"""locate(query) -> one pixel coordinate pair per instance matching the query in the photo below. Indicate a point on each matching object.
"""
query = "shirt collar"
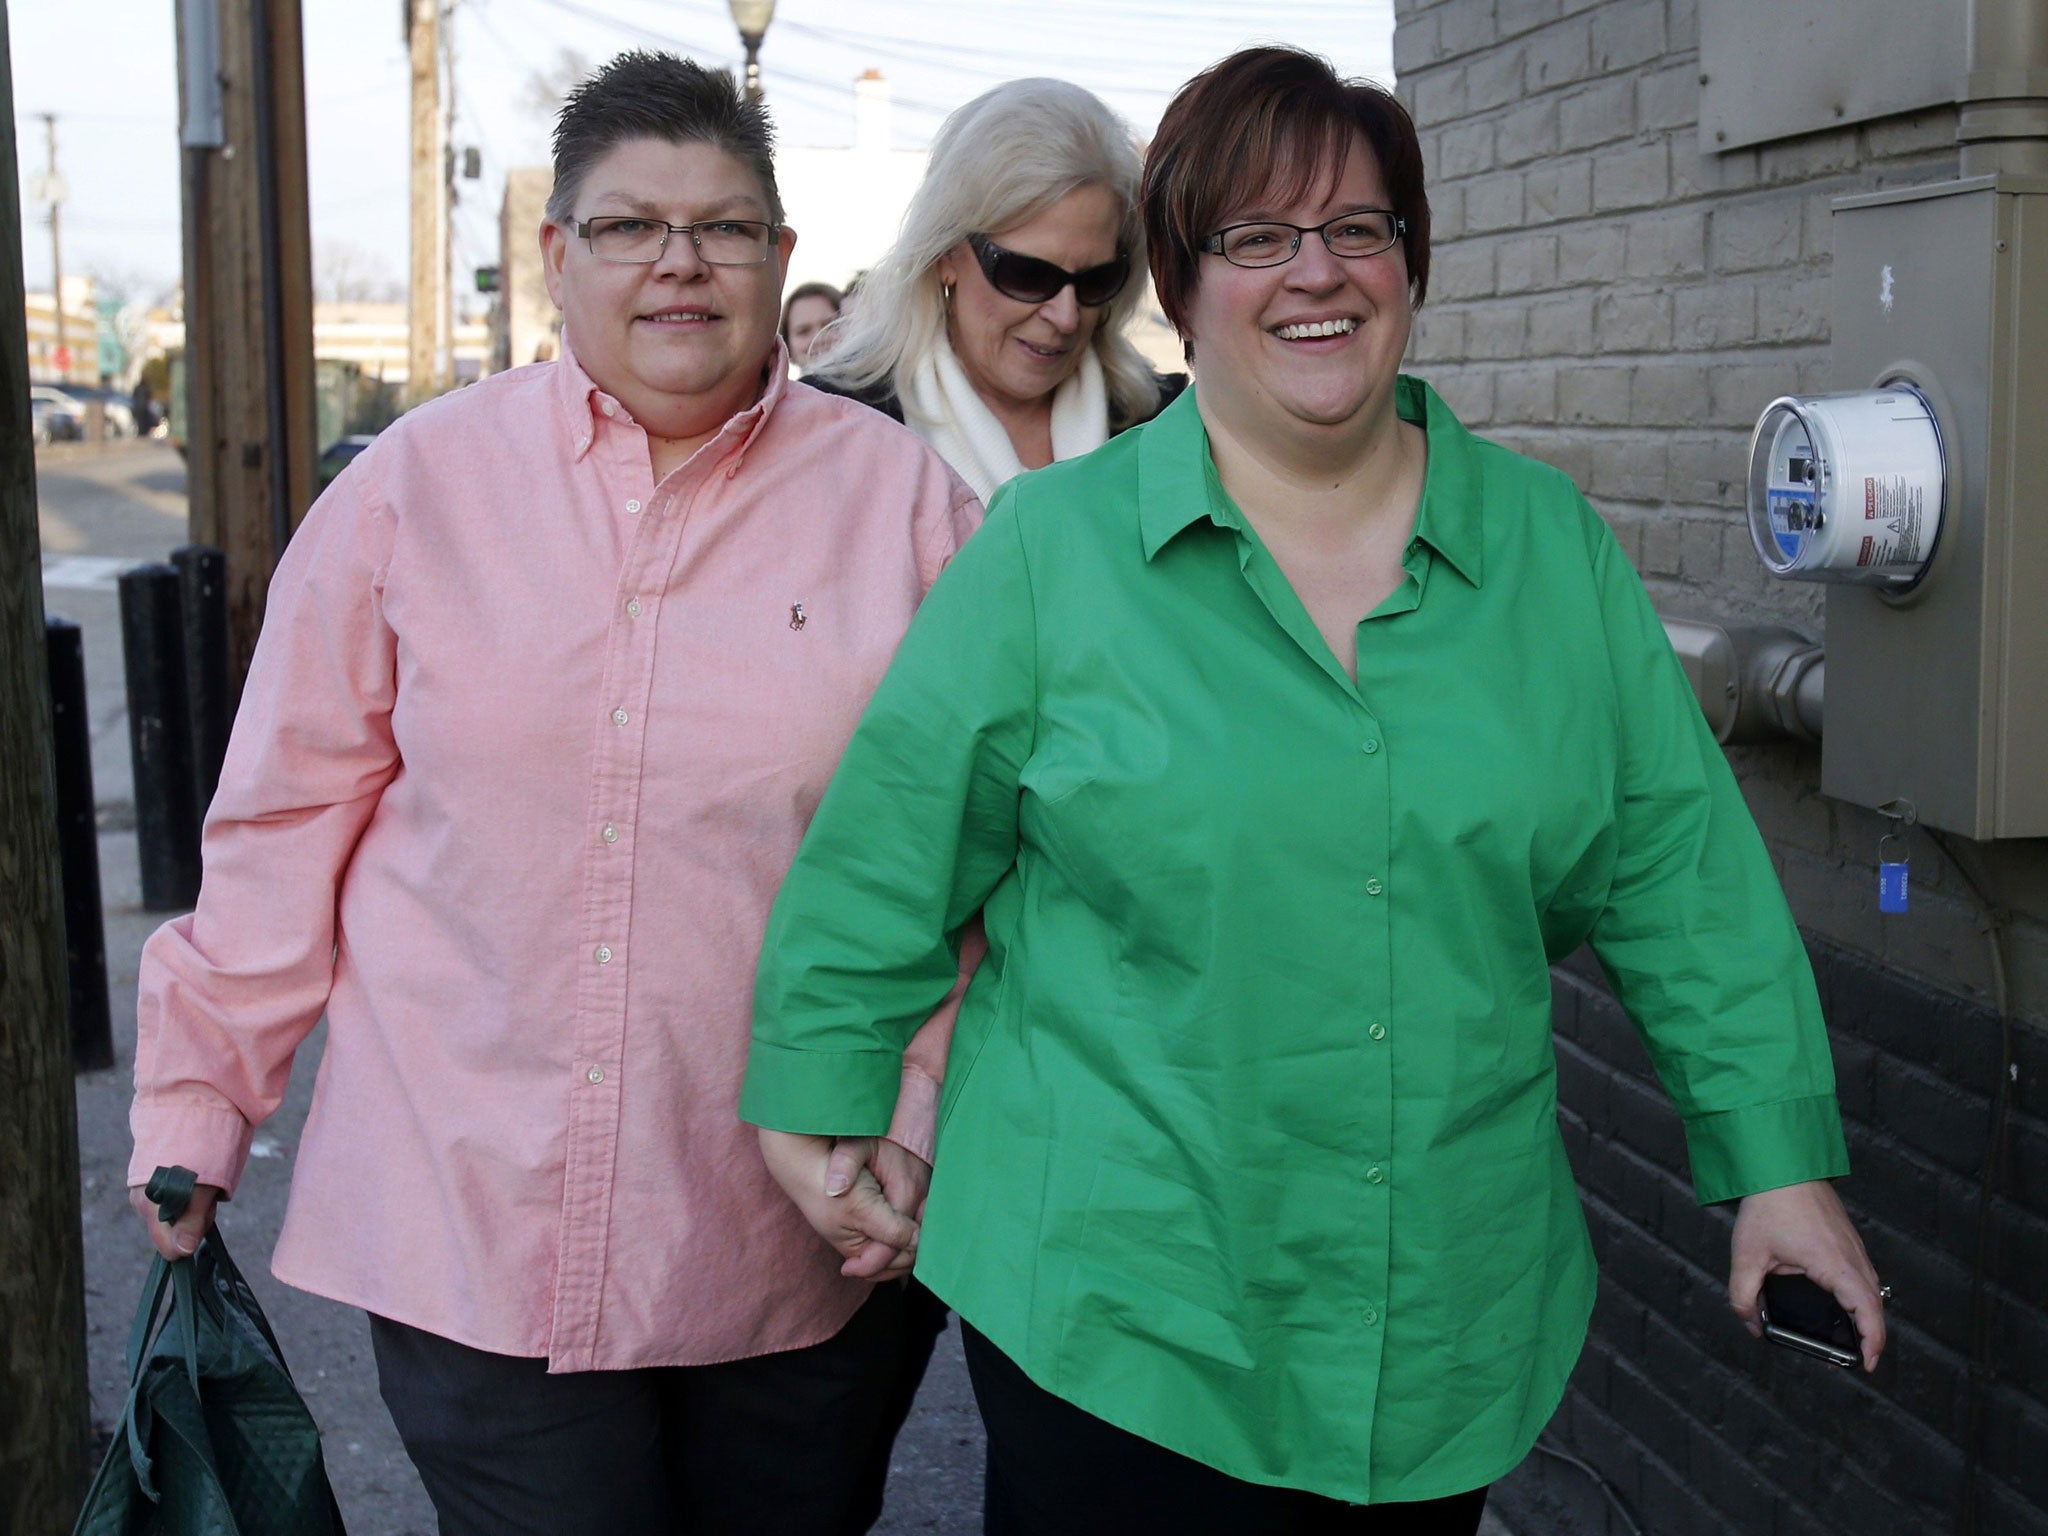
(1177, 483)
(584, 403)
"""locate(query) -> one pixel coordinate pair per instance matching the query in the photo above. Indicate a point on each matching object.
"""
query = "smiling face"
(1311, 346)
(1016, 354)
(679, 342)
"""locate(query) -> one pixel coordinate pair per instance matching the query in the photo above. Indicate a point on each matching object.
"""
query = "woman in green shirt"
(1285, 742)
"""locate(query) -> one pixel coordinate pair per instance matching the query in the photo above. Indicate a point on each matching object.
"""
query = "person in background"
(809, 308)
(995, 326)
(548, 686)
(1285, 743)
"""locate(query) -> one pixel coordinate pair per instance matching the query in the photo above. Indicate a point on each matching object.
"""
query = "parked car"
(56, 416)
(335, 456)
(120, 414)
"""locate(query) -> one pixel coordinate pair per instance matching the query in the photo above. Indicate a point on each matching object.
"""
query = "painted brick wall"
(1705, 1432)
(1609, 299)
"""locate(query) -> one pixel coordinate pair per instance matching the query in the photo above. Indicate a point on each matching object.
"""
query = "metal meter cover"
(1847, 488)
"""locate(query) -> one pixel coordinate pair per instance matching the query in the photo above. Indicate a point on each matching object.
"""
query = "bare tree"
(345, 273)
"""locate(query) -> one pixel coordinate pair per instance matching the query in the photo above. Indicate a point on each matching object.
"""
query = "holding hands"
(863, 1194)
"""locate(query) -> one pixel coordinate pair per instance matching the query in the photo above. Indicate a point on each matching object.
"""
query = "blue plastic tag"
(1891, 887)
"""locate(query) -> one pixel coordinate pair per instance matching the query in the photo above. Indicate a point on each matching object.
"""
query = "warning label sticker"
(1894, 505)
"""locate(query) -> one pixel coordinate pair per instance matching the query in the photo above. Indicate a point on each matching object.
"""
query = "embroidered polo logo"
(796, 616)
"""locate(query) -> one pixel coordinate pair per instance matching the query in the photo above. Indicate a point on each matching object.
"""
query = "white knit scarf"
(940, 406)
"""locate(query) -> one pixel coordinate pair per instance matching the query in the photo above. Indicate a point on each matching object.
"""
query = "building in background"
(846, 203)
(1634, 253)
(78, 362)
(373, 337)
(525, 326)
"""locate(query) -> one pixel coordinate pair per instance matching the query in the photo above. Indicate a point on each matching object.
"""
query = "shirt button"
(1378, 1031)
(604, 954)
(633, 505)
(1375, 1174)
(595, 1074)
(1370, 745)
(609, 409)
(1371, 1316)
(633, 607)
(619, 717)
(1372, 887)
(610, 833)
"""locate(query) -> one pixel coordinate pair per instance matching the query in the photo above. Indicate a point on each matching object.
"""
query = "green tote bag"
(214, 1439)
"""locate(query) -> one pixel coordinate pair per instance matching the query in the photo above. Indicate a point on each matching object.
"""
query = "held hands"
(1803, 1230)
(180, 1240)
(862, 1194)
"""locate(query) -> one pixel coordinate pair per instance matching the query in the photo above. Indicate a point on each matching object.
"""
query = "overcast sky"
(108, 69)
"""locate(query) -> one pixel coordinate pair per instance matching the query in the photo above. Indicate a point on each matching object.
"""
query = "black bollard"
(203, 595)
(78, 846)
(160, 737)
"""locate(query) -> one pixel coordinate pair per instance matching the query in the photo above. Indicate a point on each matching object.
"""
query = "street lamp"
(752, 18)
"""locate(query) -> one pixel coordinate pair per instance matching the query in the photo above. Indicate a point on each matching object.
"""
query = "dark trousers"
(791, 1444)
(1054, 1470)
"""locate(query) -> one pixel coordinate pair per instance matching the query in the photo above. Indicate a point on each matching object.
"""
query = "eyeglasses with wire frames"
(632, 239)
(1030, 280)
(1269, 243)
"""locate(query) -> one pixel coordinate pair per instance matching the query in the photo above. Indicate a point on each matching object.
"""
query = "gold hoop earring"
(946, 298)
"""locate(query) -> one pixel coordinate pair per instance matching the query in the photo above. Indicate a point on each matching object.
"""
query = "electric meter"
(1848, 487)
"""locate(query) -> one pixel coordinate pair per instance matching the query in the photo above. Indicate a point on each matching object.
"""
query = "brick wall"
(1607, 298)
(1705, 1432)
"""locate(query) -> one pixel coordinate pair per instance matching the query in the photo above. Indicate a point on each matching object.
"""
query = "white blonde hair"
(997, 162)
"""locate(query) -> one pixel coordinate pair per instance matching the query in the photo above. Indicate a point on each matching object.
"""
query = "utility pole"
(54, 191)
(248, 294)
(45, 1424)
(427, 293)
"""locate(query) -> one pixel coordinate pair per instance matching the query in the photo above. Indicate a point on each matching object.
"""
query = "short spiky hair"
(643, 95)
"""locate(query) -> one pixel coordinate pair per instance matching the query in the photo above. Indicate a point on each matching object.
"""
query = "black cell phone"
(1801, 1315)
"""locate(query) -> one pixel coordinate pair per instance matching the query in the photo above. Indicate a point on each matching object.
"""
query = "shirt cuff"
(210, 1140)
(1738, 1152)
(914, 1127)
(820, 1093)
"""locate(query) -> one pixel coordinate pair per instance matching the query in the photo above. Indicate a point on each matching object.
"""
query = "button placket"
(600, 1028)
(1376, 1001)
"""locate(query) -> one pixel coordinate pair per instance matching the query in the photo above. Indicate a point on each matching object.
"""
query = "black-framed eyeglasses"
(1029, 280)
(721, 242)
(1365, 232)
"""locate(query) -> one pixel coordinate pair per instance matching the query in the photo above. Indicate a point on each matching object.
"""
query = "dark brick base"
(1705, 1432)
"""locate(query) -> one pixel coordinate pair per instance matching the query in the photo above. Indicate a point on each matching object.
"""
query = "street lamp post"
(752, 18)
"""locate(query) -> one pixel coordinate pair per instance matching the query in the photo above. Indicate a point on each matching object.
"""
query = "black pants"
(1054, 1470)
(792, 1444)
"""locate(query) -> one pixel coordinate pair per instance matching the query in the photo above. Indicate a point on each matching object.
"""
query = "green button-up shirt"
(1249, 1135)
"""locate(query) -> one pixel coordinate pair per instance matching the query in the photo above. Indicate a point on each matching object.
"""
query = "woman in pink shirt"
(549, 685)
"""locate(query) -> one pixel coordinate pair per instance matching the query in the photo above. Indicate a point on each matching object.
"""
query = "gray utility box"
(1939, 696)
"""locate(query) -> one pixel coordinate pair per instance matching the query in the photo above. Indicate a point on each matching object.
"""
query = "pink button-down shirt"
(527, 747)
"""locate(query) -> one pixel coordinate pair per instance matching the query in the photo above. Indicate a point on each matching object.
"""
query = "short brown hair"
(646, 95)
(1266, 122)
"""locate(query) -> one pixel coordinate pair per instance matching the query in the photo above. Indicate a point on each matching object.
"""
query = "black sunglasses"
(1031, 281)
